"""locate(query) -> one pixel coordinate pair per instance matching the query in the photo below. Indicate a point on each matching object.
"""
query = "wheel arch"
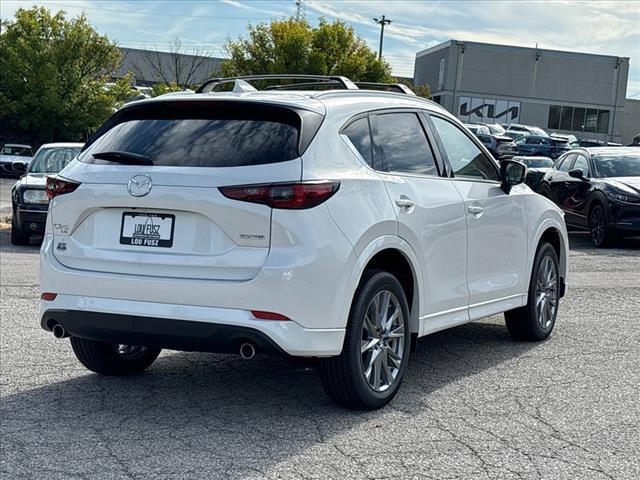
(391, 253)
(554, 232)
(595, 198)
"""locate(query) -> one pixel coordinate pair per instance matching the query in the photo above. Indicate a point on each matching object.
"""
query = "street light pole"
(382, 22)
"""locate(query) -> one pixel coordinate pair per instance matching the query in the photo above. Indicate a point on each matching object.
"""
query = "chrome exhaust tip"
(59, 331)
(247, 351)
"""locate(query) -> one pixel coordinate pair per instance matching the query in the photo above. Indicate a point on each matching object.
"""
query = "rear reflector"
(58, 186)
(48, 296)
(260, 315)
(287, 196)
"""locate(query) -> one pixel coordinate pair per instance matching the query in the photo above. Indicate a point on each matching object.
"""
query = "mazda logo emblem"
(139, 185)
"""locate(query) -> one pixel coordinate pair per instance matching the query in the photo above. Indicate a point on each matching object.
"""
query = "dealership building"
(566, 92)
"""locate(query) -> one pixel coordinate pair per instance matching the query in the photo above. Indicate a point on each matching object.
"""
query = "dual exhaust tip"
(247, 350)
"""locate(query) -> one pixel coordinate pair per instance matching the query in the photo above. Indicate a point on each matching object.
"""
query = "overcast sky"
(606, 27)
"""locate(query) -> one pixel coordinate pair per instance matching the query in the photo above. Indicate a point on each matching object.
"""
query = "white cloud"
(236, 4)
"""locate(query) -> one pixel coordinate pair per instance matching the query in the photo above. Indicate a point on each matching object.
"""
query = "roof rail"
(318, 79)
(387, 87)
(315, 81)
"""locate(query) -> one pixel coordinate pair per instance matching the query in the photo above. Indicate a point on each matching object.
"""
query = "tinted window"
(583, 164)
(466, 159)
(203, 134)
(617, 165)
(404, 145)
(52, 160)
(359, 135)
(565, 165)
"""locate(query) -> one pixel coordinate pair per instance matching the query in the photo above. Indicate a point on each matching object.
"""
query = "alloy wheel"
(547, 293)
(382, 345)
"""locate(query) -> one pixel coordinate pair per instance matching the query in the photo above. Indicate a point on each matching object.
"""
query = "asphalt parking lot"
(475, 404)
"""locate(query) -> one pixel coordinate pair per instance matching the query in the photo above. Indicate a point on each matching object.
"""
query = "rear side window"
(201, 134)
(359, 135)
(403, 144)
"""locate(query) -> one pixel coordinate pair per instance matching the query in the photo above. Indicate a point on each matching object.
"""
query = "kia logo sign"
(487, 109)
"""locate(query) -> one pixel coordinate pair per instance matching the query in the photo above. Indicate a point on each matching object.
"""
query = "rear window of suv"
(201, 134)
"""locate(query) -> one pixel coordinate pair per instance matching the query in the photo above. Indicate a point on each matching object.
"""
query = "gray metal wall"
(631, 124)
(533, 78)
(143, 64)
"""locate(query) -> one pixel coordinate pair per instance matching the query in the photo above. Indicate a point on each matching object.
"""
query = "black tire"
(105, 359)
(523, 323)
(343, 377)
(18, 236)
(599, 226)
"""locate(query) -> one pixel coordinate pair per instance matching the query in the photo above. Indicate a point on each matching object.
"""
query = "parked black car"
(599, 190)
(537, 167)
(28, 196)
(593, 143)
(541, 146)
(501, 147)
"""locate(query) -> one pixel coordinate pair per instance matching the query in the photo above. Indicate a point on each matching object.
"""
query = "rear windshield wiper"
(126, 158)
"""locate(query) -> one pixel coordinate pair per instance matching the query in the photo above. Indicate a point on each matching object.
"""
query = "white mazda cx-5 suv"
(340, 224)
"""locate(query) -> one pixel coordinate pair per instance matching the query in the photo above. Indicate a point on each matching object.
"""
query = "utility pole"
(382, 22)
(299, 9)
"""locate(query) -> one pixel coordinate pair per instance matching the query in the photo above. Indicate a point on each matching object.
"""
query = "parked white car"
(14, 155)
(339, 224)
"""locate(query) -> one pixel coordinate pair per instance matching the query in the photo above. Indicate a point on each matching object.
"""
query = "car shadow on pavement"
(582, 242)
(196, 412)
(6, 246)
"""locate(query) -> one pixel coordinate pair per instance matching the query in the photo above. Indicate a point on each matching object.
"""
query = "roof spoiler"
(315, 81)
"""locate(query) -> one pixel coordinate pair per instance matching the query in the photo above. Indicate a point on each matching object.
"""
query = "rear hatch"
(149, 202)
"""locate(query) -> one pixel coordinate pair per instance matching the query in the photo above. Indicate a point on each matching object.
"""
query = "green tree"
(162, 88)
(293, 46)
(423, 90)
(54, 75)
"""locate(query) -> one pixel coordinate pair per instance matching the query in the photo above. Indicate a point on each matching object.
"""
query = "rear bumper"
(181, 327)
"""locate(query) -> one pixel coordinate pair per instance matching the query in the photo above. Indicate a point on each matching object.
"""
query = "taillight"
(290, 196)
(58, 186)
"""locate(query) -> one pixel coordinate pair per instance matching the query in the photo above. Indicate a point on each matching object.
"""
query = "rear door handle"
(404, 202)
(475, 210)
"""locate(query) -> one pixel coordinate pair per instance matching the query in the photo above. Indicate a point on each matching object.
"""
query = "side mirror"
(512, 173)
(577, 173)
(19, 167)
